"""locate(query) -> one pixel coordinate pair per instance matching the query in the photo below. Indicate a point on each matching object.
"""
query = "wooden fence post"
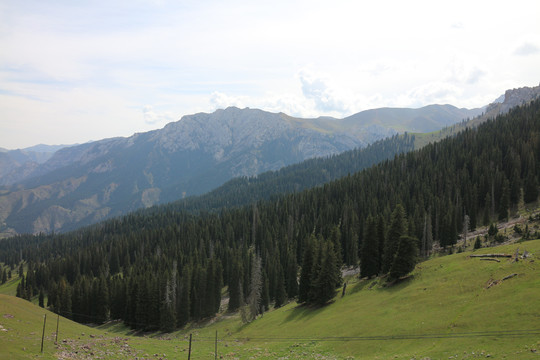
(43, 335)
(57, 322)
(215, 351)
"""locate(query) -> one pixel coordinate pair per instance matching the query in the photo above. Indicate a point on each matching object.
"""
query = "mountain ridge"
(83, 184)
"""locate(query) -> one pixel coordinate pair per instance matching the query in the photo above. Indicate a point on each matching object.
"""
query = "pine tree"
(102, 300)
(405, 258)
(318, 253)
(291, 281)
(504, 202)
(265, 295)
(4, 276)
(236, 296)
(381, 238)
(305, 273)
(218, 285)
(41, 297)
(184, 296)
(369, 262)
(281, 294)
(325, 285)
(477, 243)
(167, 313)
(255, 291)
(398, 228)
(530, 190)
(515, 187)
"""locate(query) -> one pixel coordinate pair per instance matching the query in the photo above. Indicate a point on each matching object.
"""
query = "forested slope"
(164, 269)
(243, 191)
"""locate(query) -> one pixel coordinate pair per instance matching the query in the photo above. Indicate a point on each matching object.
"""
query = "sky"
(76, 71)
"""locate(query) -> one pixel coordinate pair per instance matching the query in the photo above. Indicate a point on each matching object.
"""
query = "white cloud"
(431, 93)
(219, 100)
(527, 49)
(324, 97)
(464, 72)
(152, 117)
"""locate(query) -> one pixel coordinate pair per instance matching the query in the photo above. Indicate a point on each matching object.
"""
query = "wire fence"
(228, 339)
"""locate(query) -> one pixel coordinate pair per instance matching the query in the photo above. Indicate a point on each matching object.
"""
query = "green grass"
(446, 296)
(444, 303)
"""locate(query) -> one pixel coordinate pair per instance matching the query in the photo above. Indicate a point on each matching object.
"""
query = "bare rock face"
(513, 98)
(518, 97)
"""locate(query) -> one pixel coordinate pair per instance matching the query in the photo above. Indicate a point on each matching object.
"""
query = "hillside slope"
(445, 309)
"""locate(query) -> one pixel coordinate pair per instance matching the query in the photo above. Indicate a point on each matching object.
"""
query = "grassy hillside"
(445, 310)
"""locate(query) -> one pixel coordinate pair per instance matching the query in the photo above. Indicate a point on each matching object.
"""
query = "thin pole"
(57, 322)
(43, 335)
(189, 352)
(215, 352)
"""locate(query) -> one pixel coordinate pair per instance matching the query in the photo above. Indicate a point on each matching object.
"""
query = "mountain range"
(83, 184)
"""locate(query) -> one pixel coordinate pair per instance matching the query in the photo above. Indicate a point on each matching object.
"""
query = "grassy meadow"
(451, 307)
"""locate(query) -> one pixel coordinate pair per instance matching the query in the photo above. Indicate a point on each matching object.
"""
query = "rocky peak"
(512, 98)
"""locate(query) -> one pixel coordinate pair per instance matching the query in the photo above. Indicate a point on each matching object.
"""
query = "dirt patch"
(98, 347)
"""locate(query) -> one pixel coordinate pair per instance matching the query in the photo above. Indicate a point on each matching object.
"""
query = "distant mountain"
(510, 99)
(16, 165)
(83, 184)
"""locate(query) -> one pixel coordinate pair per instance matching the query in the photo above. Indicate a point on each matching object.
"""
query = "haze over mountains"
(86, 183)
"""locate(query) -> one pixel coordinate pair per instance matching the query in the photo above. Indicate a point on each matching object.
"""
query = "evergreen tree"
(381, 238)
(318, 253)
(255, 291)
(504, 202)
(236, 296)
(350, 234)
(281, 294)
(184, 297)
(20, 289)
(515, 188)
(218, 285)
(530, 191)
(405, 258)
(265, 296)
(369, 262)
(492, 231)
(167, 312)
(102, 300)
(307, 267)
(325, 285)
(335, 237)
(398, 228)
(291, 281)
(487, 207)
(477, 243)
(41, 297)
(4, 276)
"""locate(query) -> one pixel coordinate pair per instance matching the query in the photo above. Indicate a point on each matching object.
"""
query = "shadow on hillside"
(398, 284)
(380, 283)
(303, 311)
(118, 327)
